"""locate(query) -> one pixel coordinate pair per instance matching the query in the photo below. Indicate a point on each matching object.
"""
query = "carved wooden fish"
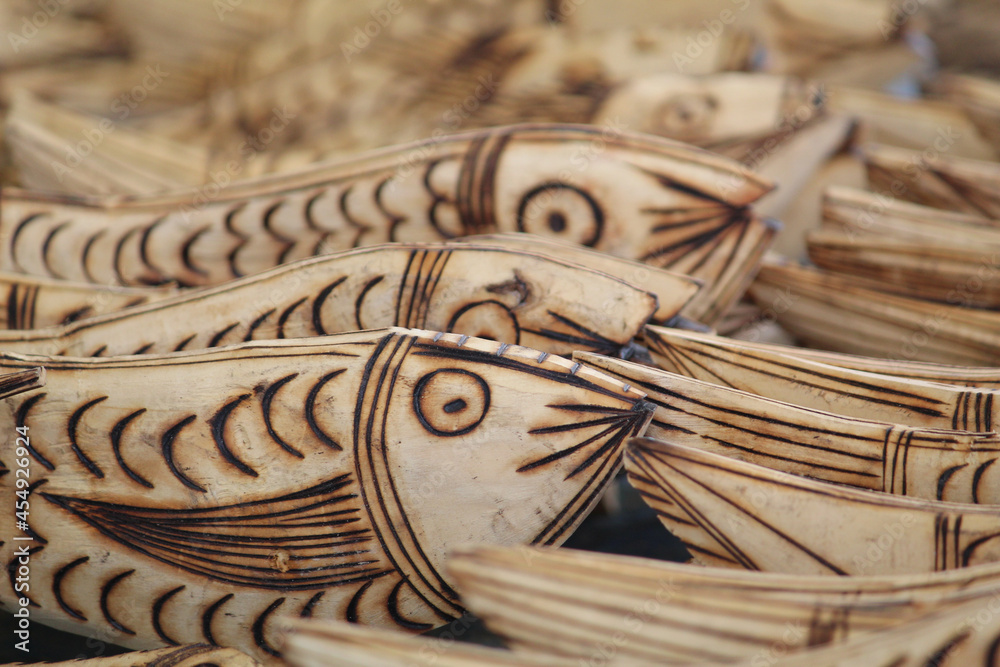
(197, 496)
(631, 195)
(512, 296)
(737, 514)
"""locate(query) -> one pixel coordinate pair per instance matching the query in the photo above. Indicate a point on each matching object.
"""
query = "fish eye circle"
(451, 401)
(561, 210)
(488, 319)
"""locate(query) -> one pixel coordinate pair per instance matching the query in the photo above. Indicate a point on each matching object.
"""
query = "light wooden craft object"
(978, 96)
(932, 464)
(811, 384)
(199, 496)
(578, 605)
(190, 655)
(851, 315)
(934, 178)
(630, 195)
(479, 289)
(737, 514)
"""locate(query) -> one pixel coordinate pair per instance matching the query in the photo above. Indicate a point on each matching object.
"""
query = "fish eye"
(451, 401)
(561, 210)
(488, 319)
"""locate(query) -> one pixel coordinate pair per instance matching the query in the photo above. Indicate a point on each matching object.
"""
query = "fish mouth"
(602, 458)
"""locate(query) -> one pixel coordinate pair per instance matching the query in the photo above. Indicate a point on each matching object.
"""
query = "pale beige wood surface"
(191, 655)
(481, 289)
(738, 514)
(850, 315)
(199, 496)
(933, 464)
(569, 603)
(631, 195)
(978, 96)
(767, 371)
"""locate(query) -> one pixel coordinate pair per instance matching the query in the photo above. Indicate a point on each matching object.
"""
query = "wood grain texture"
(190, 655)
(328, 644)
(737, 514)
(935, 179)
(899, 459)
(198, 496)
(978, 96)
(479, 289)
(30, 302)
(631, 195)
(570, 604)
(807, 301)
(19, 382)
(768, 371)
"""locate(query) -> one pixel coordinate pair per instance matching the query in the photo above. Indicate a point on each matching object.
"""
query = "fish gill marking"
(20, 419)
(186, 253)
(238, 543)
(437, 199)
(317, 307)
(287, 313)
(219, 335)
(184, 343)
(71, 427)
(361, 298)
(25, 221)
(392, 604)
(267, 399)
(258, 629)
(613, 423)
(977, 477)
(218, 426)
(116, 260)
(307, 608)
(143, 245)
(12, 565)
(158, 609)
(206, 618)
(351, 614)
(57, 581)
(394, 219)
(310, 407)
(349, 218)
(590, 340)
(398, 542)
(167, 450)
(230, 225)
(945, 477)
(106, 591)
(256, 324)
(146, 347)
(309, 215)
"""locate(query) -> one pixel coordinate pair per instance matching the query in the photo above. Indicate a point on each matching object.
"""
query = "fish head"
(617, 191)
(473, 441)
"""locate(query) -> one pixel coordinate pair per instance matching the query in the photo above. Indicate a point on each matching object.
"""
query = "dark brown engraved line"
(403, 346)
(614, 422)
(591, 340)
(886, 480)
(12, 566)
(20, 420)
(773, 529)
(28, 304)
(940, 656)
(988, 413)
(99, 351)
(317, 307)
(900, 435)
(256, 324)
(959, 402)
(167, 449)
(361, 297)
(422, 295)
(413, 291)
(677, 356)
(342, 204)
(906, 460)
(143, 245)
(428, 297)
(402, 285)
(71, 427)
(78, 314)
(158, 609)
(436, 199)
(307, 608)
(394, 219)
(486, 177)
(258, 629)
(351, 615)
(47, 245)
(106, 591)
(979, 410)
(116, 261)
(218, 425)
(681, 247)
(265, 403)
(639, 457)
(467, 199)
(944, 477)
(230, 225)
(804, 462)
(17, 233)
(217, 338)
(144, 348)
(392, 604)
(283, 319)
(85, 257)
(184, 343)
(310, 408)
(268, 223)
(12, 319)
(309, 215)
(969, 194)
(977, 478)
(940, 529)
(186, 253)
(116, 439)
(179, 657)
(57, 580)
(737, 221)
(206, 618)
(992, 653)
(957, 540)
